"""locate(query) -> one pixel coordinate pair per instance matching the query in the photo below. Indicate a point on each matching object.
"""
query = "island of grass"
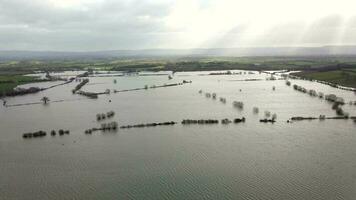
(9, 82)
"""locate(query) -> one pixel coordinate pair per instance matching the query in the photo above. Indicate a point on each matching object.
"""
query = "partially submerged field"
(9, 82)
(335, 69)
(341, 77)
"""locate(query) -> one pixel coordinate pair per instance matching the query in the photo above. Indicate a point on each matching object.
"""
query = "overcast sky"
(89, 25)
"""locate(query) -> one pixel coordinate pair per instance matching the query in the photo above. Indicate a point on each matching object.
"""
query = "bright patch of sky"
(86, 25)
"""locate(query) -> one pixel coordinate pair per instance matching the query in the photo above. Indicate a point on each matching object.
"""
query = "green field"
(9, 82)
(340, 77)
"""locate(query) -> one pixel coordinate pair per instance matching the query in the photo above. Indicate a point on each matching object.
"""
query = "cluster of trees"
(35, 134)
(80, 85)
(337, 101)
(149, 125)
(214, 96)
(311, 92)
(338, 109)
(91, 95)
(44, 133)
(222, 99)
(238, 104)
(21, 91)
(103, 116)
(236, 120)
(269, 117)
(300, 88)
(221, 73)
(200, 121)
(109, 126)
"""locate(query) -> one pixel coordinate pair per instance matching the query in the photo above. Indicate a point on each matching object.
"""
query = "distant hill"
(234, 52)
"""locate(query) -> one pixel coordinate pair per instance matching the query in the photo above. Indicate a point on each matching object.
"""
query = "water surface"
(301, 160)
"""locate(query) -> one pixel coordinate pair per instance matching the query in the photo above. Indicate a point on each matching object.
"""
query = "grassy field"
(340, 77)
(8, 82)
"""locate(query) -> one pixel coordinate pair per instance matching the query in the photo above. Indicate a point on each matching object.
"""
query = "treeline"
(80, 85)
(139, 67)
(332, 67)
(209, 66)
(203, 66)
(21, 91)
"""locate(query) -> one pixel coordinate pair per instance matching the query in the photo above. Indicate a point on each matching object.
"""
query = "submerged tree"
(45, 100)
(274, 116)
(312, 93)
(255, 110)
(214, 95)
(321, 95)
(267, 113)
(222, 99)
(238, 104)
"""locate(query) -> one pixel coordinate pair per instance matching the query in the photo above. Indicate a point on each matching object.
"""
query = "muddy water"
(301, 160)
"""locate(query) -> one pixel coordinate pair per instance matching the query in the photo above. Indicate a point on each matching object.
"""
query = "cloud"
(84, 25)
(87, 26)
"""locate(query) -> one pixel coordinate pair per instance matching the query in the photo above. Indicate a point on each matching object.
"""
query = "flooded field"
(252, 160)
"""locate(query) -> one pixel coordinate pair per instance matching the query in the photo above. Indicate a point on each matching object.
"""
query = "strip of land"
(339, 70)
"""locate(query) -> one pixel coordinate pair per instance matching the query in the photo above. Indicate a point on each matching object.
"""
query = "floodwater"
(301, 160)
